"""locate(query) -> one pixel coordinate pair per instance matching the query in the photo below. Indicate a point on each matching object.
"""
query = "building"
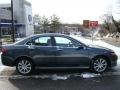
(23, 21)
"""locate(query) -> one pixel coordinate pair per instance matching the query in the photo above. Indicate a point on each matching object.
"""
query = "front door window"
(63, 42)
(43, 41)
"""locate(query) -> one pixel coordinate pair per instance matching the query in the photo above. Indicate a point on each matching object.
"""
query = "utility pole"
(13, 28)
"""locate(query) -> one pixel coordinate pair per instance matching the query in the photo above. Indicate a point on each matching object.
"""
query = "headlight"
(112, 53)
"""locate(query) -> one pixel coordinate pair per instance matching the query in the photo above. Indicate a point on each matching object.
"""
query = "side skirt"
(62, 67)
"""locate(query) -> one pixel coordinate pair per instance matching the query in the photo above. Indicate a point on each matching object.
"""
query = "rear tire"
(99, 65)
(24, 66)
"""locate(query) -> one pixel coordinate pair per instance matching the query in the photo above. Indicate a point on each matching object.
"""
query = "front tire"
(24, 66)
(99, 65)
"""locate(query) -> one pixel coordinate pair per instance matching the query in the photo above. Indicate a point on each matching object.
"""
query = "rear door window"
(41, 41)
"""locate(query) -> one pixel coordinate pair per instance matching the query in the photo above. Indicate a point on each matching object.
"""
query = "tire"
(99, 65)
(24, 66)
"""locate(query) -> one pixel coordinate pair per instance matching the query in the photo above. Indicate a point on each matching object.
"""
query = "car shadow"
(49, 71)
(59, 71)
(38, 71)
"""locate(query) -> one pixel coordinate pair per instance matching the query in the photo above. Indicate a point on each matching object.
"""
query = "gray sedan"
(56, 51)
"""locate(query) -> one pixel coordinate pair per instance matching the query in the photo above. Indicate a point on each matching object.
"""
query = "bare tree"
(45, 24)
(41, 23)
(37, 23)
(36, 19)
(55, 23)
(116, 15)
(107, 23)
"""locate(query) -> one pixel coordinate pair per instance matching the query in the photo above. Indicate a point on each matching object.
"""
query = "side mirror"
(31, 46)
(29, 43)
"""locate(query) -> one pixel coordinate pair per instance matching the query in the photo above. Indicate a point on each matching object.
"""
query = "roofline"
(28, 3)
(5, 5)
(50, 34)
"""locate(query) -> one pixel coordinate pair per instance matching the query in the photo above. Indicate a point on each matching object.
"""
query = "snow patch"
(87, 75)
(1, 66)
(54, 77)
(0, 59)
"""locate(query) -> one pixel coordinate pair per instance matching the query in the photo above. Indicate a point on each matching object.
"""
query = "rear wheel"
(99, 65)
(24, 66)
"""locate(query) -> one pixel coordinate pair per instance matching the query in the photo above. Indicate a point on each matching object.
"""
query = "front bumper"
(113, 60)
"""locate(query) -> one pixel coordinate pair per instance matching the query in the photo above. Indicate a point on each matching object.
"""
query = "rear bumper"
(7, 61)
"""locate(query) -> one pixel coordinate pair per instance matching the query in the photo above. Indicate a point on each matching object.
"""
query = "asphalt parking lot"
(59, 80)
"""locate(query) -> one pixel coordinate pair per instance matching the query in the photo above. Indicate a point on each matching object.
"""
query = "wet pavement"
(81, 79)
(73, 83)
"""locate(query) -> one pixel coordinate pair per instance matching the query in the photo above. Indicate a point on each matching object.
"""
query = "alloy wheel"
(100, 65)
(24, 67)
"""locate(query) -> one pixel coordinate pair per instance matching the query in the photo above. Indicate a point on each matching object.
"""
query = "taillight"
(4, 50)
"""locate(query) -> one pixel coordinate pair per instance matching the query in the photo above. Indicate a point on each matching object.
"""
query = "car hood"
(100, 48)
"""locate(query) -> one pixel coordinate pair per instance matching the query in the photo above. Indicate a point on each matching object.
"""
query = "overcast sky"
(70, 11)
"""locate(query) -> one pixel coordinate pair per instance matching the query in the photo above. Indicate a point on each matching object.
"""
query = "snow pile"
(1, 66)
(56, 77)
(89, 75)
(0, 59)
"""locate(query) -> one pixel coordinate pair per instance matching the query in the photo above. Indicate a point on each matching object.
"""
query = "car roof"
(50, 34)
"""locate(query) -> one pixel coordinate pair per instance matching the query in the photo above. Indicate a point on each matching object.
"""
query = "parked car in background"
(56, 51)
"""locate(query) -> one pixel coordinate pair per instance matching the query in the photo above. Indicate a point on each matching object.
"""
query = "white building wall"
(19, 15)
(22, 10)
(28, 20)
(23, 15)
(19, 10)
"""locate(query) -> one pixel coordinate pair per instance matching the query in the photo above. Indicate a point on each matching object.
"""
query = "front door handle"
(59, 49)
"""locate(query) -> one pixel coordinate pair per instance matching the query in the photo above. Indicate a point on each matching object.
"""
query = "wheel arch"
(103, 56)
(25, 57)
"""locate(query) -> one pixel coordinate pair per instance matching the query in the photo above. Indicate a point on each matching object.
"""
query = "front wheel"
(24, 66)
(99, 65)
